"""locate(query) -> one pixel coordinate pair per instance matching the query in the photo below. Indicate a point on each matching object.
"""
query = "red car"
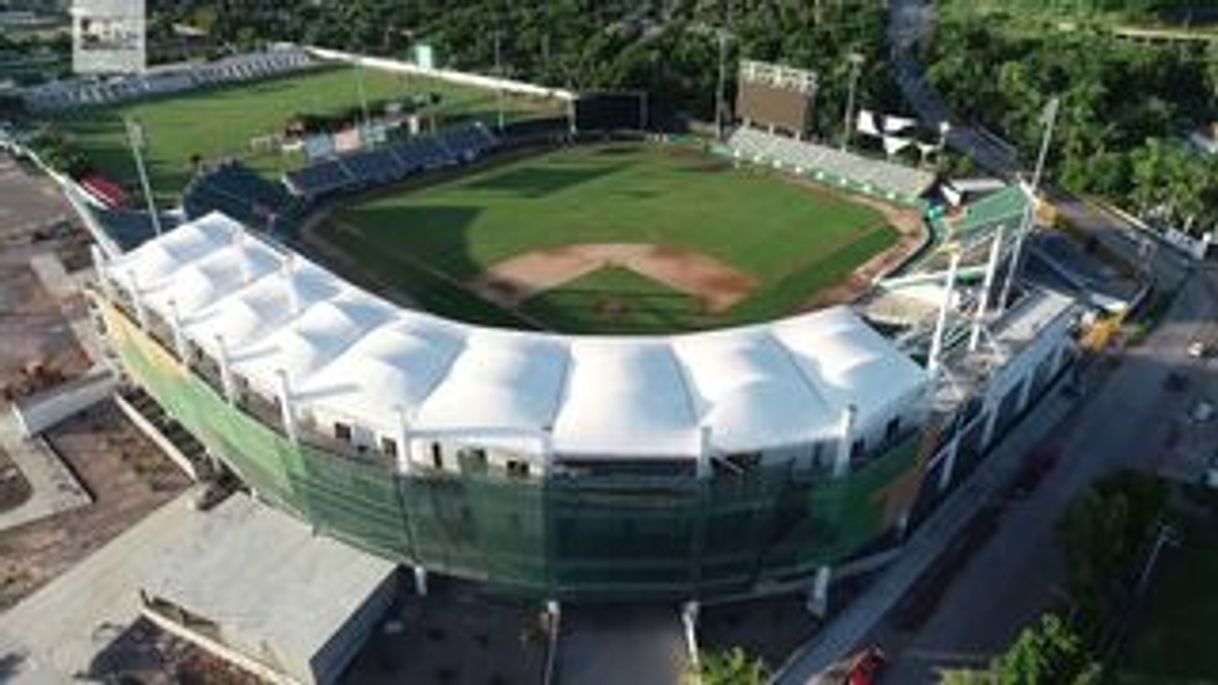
(867, 667)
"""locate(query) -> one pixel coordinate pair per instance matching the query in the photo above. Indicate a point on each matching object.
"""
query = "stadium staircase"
(167, 432)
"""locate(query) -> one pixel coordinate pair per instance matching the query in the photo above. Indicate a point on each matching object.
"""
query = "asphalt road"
(1128, 420)
(1130, 417)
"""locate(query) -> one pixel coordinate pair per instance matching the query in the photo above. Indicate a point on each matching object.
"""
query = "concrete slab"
(257, 572)
(54, 488)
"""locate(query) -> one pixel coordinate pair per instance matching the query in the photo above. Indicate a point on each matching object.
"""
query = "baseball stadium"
(510, 334)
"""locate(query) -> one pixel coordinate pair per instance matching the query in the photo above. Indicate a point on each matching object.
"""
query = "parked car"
(1198, 350)
(867, 666)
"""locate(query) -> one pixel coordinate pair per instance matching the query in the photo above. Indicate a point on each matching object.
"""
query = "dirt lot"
(127, 476)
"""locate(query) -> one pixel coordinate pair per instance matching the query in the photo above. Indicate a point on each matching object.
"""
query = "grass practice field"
(221, 122)
(789, 239)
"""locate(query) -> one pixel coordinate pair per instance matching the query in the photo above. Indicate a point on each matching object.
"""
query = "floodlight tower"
(1049, 119)
(498, 75)
(856, 62)
(136, 139)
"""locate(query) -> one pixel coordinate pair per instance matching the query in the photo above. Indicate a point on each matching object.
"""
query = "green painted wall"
(566, 538)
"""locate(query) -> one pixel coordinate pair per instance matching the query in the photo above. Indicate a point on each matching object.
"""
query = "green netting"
(566, 537)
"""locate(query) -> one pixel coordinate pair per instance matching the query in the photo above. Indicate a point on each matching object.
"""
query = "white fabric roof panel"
(507, 382)
(751, 390)
(352, 354)
(626, 397)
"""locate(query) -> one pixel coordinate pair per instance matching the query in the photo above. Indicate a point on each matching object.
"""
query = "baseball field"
(228, 121)
(612, 238)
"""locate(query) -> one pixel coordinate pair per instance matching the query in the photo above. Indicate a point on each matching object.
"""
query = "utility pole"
(136, 138)
(856, 63)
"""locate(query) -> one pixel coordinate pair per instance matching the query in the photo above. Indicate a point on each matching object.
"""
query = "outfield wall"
(561, 537)
(463, 78)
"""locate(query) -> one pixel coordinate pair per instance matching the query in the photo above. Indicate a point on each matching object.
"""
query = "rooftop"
(348, 353)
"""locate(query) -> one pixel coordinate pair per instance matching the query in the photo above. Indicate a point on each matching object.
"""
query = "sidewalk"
(845, 631)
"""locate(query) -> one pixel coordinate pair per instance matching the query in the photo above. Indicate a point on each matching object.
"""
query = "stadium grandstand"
(379, 166)
(564, 466)
(177, 78)
(241, 193)
(894, 182)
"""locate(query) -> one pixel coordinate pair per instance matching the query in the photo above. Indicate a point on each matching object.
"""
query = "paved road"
(1129, 418)
(1127, 421)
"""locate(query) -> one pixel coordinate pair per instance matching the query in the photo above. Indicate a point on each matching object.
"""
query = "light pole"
(498, 75)
(1049, 119)
(136, 138)
(721, 84)
(856, 62)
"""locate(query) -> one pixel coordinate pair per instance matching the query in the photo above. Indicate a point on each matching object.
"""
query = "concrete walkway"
(54, 634)
(845, 632)
(53, 486)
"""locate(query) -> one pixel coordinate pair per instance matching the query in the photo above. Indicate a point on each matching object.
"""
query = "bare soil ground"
(127, 476)
(518, 278)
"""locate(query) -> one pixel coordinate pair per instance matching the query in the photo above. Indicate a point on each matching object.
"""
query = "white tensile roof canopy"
(349, 353)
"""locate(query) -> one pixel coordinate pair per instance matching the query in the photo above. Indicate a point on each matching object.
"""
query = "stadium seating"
(80, 92)
(241, 193)
(321, 178)
(826, 163)
(375, 167)
(372, 167)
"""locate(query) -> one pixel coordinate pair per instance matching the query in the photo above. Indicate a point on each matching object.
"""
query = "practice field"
(637, 238)
(221, 122)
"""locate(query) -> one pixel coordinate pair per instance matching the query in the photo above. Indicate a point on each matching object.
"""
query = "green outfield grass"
(794, 239)
(220, 122)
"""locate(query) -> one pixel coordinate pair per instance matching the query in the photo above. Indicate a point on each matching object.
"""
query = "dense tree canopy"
(668, 49)
(1126, 108)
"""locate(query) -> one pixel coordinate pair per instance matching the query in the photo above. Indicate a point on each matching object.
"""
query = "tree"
(1105, 533)
(732, 667)
(1047, 653)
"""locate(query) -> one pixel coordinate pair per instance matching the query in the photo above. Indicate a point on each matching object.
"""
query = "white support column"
(818, 597)
(243, 257)
(689, 621)
(1025, 388)
(991, 421)
(704, 469)
(405, 462)
(936, 341)
(102, 267)
(179, 340)
(983, 304)
(141, 311)
(420, 580)
(289, 273)
(1059, 354)
(285, 405)
(226, 371)
(949, 463)
(547, 448)
(845, 441)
